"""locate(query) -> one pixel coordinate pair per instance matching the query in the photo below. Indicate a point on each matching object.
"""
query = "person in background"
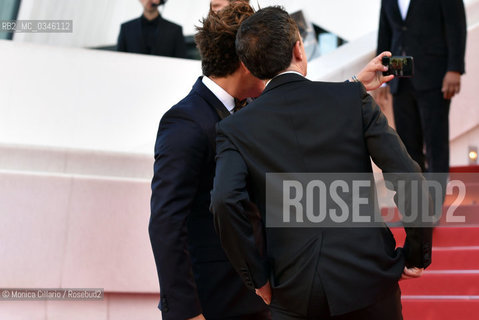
(217, 5)
(434, 33)
(196, 279)
(151, 34)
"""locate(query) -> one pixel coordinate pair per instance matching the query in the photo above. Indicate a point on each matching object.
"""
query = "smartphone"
(399, 66)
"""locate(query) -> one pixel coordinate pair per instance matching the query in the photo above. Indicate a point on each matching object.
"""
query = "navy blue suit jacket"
(434, 33)
(170, 40)
(194, 273)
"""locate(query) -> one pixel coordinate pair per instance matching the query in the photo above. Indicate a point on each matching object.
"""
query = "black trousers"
(422, 122)
(264, 315)
(388, 307)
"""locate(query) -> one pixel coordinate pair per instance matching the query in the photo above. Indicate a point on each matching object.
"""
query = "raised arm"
(389, 153)
(371, 76)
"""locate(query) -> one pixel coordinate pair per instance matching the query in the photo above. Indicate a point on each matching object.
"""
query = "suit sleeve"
(180, 45)
(388, 153)
(456, 32)
(179, 157)
(237, 220)
(121, 45)
(384, 32)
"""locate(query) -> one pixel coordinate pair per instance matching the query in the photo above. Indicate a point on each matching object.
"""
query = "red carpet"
(438, 308)
(449, 288)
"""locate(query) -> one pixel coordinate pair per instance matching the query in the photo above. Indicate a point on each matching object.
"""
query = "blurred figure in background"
(434, 33)
(217, 5)
(151, 34)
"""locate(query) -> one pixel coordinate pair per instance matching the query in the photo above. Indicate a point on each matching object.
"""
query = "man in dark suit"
(297, 125)
(196, 278)
(434, 33)
(151, 34)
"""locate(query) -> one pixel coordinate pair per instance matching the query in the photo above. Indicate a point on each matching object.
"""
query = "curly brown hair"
(216, 38)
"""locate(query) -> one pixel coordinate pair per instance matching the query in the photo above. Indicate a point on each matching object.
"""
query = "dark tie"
(239, 104)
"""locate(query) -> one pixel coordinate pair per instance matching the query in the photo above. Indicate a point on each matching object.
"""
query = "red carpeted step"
(462, 216)
(468, 194)
(449, 289)
(466, 169)
(446, 236)
(440, 308)
(447, 282)
(455, 258)
(452, 216)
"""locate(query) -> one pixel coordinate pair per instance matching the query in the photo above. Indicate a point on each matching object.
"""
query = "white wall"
(87, 99)
(460, 147)
(97, 22)
(350, 19)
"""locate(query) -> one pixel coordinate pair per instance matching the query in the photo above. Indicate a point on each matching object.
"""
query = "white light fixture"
(472, 155)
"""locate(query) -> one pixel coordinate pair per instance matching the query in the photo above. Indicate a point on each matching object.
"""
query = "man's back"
(309, 118)
(301, 127)
(309, 127)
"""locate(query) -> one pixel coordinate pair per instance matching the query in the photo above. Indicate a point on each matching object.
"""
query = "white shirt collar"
(404, 7)
(282, 74)
(225, 98)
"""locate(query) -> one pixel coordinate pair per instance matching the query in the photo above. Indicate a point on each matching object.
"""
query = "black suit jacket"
(434, 33)
(170, 40)
(194, 273)
(297, 125)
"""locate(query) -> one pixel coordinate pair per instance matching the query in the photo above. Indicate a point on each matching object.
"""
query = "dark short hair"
(265, 42)
(216, 37)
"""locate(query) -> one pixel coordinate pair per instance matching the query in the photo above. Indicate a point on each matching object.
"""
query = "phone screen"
(401, 67)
